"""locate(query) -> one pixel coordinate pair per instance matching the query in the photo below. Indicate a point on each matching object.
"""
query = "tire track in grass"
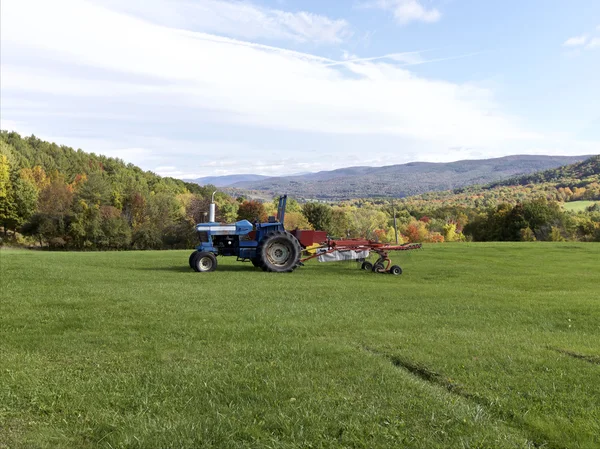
(593, 359)
(439, 380)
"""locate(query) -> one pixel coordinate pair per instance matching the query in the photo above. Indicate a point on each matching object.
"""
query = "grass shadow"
(187, 269)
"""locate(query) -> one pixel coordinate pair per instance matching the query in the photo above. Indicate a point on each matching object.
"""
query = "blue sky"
(191, 88)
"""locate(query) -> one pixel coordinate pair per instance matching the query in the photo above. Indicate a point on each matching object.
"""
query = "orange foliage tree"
(252, 210)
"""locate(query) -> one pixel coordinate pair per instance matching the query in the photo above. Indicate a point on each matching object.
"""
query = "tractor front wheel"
(204, 262)
(192, 258)
(279, 252)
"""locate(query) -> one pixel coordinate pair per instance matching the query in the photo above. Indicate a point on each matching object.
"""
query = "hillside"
(66, 198)
(405, 179)
(569, 175)
(574, 182)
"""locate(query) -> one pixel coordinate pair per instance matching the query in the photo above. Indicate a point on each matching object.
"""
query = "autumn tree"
(296, 220)
(416, 232)
(252, 211)
(50, 223)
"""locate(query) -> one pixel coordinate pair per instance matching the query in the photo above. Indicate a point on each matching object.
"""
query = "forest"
(56, 197)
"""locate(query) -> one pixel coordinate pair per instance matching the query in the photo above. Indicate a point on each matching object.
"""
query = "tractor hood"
(243, 227)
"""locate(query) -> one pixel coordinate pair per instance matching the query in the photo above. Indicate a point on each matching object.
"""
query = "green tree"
(541, 216)
(365, 220)
(556, 235)
(116, 233)
(527, 235)
(8, 215)
(227, 208)
(340, 222)
(181, 234)
(95, 190)
(25, 200)
(86, 226)
(291, 205)
(319, 216)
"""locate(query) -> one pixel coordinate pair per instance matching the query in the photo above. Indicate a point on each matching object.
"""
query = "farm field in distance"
(578, 206)
(476, 345)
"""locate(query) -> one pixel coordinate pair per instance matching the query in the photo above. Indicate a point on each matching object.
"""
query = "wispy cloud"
(405, 57)
(587, 41)
(406, 11)
(593, 43)
(241, 19)
(576, 41)
(409, 58)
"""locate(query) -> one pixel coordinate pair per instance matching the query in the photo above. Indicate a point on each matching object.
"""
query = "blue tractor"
(267, 245)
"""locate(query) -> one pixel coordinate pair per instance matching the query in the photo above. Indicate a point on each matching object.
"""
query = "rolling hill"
(585, 171)
(578, 182)
(402, 180)
(225, 181)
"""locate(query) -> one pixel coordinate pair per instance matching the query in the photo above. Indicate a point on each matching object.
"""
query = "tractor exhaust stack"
(211, 210)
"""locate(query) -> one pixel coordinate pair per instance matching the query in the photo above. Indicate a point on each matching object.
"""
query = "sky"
(191, 88)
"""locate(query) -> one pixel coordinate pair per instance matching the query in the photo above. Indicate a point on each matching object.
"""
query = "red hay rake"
(359, 249)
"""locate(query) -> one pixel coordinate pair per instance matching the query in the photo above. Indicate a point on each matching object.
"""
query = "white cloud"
(576, 41)
(593, 43)
(240, 19)
(406, 11)
(150, 88)
(245, 83)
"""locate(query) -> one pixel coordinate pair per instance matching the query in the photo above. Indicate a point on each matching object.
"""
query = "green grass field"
(474, 346)
(578, 206)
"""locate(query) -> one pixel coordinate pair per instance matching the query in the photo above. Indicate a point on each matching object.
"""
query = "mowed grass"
(578, 206)
(474, 346)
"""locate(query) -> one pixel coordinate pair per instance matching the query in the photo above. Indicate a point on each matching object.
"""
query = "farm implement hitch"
(359, 250)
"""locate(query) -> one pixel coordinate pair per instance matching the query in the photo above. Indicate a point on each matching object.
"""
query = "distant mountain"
(225, 181)
(402, 180)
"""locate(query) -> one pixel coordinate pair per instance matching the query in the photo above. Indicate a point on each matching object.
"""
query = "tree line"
(56, 197)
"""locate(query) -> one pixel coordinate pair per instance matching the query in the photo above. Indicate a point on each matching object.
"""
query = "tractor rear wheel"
(279, 252)
(204, 262)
